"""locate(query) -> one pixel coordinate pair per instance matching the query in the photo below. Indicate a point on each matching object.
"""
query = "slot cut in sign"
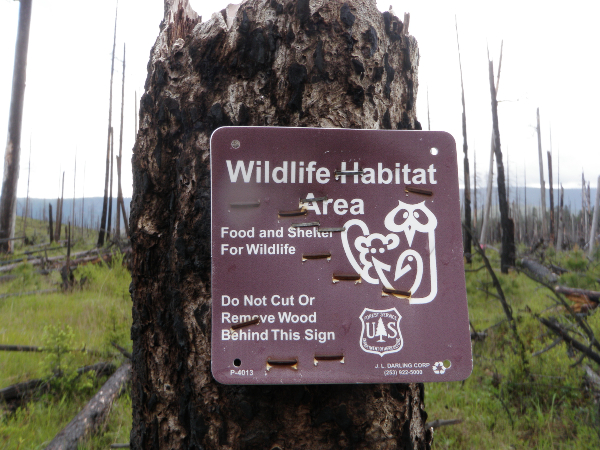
(336, 257)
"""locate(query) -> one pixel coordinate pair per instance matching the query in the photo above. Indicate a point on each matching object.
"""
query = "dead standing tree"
(12, 154)
(507, 255)
(103, 225)
(278, 63)
(467, 176)
(542, 181)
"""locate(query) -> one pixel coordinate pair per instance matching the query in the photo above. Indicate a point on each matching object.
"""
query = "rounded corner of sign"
(467, 373)
(218, 377)
(218, 130)
(447, 136)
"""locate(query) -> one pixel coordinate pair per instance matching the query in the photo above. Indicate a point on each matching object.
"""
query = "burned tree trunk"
(50, 223)
(12, 154)
(542, 182)
(120, 156)
(551, 190)
(103, 225)
(559, 243)
(277, 63)
(507, 256)
(59, 211)
(467, 176)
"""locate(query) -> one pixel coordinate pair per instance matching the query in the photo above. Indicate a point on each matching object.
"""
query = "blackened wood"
(542, 181)
(66, 270)
(12, 153)
(27, 200)
(592, 295)
(507, 255)
(559, 242)
(557, 329)
(120, 156)
(594, 229)
(91, 417)
(59, 210)
(110, 196)
(467, 175)
(551, 191)
(20, 348)
(103, 226)
(24, 388)
(281, 63)
(74, 183)
(125, 221)
(50, 222)
(123, 351)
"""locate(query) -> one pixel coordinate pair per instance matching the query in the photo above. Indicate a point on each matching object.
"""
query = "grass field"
(512, 400)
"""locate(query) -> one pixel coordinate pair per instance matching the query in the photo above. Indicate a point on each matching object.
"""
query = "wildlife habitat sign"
(336, 257)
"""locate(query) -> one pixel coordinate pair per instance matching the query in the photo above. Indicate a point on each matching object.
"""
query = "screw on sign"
(336, 257)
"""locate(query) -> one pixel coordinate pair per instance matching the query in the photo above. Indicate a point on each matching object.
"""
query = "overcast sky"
(549, 61)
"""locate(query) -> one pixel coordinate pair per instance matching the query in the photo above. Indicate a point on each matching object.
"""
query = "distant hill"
(572, 198)
(38, 209)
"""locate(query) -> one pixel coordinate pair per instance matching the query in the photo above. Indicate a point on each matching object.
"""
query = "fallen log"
(559, 270)
(442, 423)
(560, 331)
(20, 348)
(592, 377)
(18, 294)
(592, 295)
(33, 348)
(19, 390)
(4, 278)
(58, 259)
(478, 336)
(94, 413)
(123, 351)
(548, 348)
(539, 271)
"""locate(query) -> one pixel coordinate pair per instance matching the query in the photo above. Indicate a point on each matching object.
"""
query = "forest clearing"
(546, 398)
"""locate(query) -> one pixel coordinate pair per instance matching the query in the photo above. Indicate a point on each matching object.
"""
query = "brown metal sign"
(336, 257)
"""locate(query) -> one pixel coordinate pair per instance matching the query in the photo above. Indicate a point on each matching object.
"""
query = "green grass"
(507, 403)
(97, 313)
(503, 405)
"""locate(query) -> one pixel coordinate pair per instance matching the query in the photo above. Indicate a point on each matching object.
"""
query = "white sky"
(549, 61)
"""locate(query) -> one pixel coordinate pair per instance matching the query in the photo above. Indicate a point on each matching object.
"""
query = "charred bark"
(50, 223)
(507, 255)
(551, 190)
(467, 176)
(278, 63)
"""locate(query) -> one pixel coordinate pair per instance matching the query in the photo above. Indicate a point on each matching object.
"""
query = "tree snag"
(103, 225)
(278, 63)
(507, 255)
(467, 176)
(542, 182)
(12, 153)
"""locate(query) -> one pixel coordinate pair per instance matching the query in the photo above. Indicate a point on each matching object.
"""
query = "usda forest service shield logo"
(381, 331)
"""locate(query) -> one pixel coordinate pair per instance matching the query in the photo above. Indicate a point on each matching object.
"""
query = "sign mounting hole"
(434, 151)
(447, 364)
(235, 144)
(237, 362)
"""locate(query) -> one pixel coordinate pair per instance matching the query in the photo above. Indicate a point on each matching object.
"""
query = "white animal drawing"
(406, 219)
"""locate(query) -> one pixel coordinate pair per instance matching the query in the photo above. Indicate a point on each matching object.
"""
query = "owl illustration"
(402, 259)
